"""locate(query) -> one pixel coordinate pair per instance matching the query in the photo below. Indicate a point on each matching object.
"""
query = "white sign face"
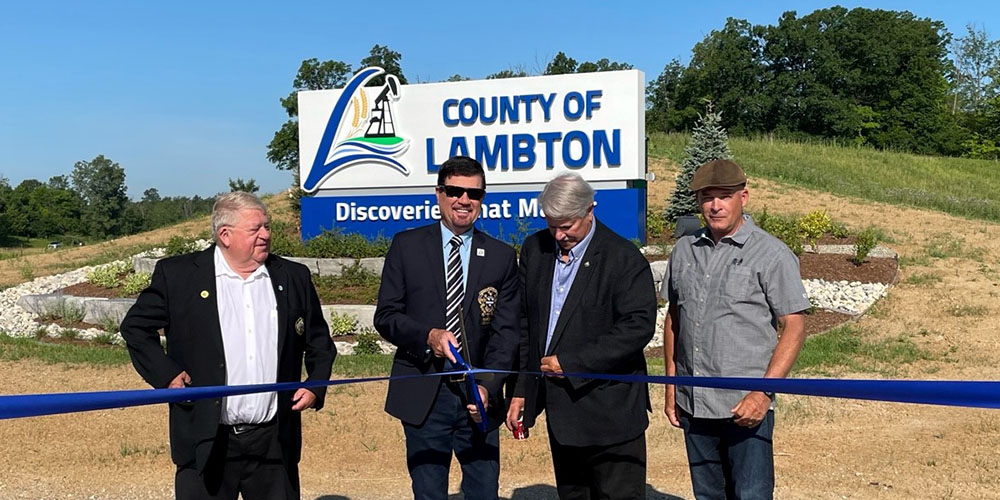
(523, 130)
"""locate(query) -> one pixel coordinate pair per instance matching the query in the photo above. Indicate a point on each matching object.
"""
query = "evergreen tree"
(709, 141)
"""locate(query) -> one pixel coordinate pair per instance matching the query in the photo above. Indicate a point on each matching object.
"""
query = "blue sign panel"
(507, 216)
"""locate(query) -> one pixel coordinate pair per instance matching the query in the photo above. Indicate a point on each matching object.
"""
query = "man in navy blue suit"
(444, 284)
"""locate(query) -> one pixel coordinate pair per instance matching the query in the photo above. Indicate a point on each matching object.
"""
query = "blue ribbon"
(974, 394)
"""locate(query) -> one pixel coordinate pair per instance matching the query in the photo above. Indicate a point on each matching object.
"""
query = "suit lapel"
(435, 249)
(279, 283)
(545, 268)
(581, 283)
(208, 306)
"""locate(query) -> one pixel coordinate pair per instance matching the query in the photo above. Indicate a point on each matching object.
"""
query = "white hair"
(227, 208)
(567, 196)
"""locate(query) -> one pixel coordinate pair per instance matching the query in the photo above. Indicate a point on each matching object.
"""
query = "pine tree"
(708, 142)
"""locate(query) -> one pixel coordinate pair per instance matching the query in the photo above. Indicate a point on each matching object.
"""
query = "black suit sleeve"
(141, 330)
(504, 342)
(391, 320)
(320, 351)
(633, 305)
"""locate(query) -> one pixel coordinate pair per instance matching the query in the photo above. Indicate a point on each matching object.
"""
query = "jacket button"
(217, 402)
(222, 365)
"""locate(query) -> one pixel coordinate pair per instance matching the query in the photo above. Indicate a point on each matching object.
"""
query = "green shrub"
(366, 341)
(69, 333)
(134, 283)
(178, 245)
(864, 243)
(358, 275)
(110, 325)
(656, 223)
(104, 338)
(333, 244)
(839, 230)
(785, 229)
(285, 239)
(342, 324)
(65, 311)
(108, 275)
(813, 225)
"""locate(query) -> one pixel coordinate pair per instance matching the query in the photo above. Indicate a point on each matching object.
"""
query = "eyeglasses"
(457, 192)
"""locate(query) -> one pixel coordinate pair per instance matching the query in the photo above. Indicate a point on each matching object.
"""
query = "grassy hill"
(957, 186)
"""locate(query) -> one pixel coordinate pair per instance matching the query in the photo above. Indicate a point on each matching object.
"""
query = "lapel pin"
(480, 252)
(281, 288)
(204, 294)
(586, 264)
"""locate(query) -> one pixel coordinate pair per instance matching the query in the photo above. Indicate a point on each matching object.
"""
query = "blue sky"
(184, 95)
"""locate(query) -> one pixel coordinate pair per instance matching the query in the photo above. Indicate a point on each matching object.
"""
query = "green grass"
(17, 348)
(958, 186)
(362, 365)
(847, 347)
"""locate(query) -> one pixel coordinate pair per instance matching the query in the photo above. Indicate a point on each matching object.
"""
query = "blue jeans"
(729, 462)
(448, 429)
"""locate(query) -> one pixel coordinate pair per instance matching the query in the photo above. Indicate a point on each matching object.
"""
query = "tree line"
(878, 78)
(92, 203)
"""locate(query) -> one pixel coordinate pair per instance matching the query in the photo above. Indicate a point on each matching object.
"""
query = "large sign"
(370, 154)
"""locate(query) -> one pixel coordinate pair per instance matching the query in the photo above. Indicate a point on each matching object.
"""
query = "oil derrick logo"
(366, 137)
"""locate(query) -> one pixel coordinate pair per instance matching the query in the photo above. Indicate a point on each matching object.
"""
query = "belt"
(241, 428)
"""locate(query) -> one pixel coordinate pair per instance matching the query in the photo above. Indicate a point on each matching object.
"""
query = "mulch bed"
(87, 289)
(838, 267)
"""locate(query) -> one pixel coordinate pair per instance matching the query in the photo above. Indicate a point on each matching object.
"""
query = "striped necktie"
(456, 289)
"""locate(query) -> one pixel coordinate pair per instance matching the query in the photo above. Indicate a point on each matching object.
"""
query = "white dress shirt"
(248, 316)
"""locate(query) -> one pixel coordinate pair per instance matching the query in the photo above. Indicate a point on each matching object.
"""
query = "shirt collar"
(222, 267)
(446, 236)
(740, 237)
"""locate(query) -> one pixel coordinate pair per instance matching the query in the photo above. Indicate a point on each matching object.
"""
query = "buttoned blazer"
(181, 301)
(411, 301)
(606, 322)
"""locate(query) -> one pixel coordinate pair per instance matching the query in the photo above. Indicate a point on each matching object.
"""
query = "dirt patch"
(87, 289)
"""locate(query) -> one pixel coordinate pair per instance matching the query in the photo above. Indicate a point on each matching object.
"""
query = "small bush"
(785, 229)
(864, 243)
(108, 275)
(69, 333)
(64, 311)
(134, 283)
(839, 230)
(342, 324)
(813, 226)
(656, 223)
(104, 339)
(178, 245)
(358, 275)
(333, 244)
(366, 342)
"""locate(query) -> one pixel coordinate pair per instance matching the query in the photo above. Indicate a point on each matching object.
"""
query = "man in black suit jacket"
(590, 307)
(421, 313)
(233, 314)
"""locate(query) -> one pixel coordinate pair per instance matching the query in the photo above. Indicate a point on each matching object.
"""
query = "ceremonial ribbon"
(964, 393)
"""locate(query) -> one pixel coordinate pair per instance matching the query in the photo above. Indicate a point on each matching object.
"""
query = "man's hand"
(514, 413)
(473, 411)
(438, 340)
(550, 364)
(750, 411)
(670, 408)
(180, 381)
(303, 398)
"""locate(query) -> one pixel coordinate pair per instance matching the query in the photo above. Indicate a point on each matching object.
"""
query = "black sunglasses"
(457, 191)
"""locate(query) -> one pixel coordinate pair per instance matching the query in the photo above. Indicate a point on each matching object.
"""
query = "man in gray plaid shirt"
(736, 303)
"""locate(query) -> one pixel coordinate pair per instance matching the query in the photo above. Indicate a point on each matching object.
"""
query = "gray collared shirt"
(563, 275)
(729, 298)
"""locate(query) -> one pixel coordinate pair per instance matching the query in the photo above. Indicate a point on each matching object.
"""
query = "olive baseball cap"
(719, 174)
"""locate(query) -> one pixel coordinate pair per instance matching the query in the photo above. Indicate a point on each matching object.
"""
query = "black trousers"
(617, 471)
(248, 463)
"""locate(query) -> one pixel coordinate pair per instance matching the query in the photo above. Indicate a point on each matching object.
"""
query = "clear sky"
(184, 95)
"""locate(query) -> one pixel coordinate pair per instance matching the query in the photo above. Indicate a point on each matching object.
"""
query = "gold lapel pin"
(204, 294)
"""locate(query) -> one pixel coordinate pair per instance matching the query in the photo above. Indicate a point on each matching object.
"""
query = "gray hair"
(227, 208)
(567, 196)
